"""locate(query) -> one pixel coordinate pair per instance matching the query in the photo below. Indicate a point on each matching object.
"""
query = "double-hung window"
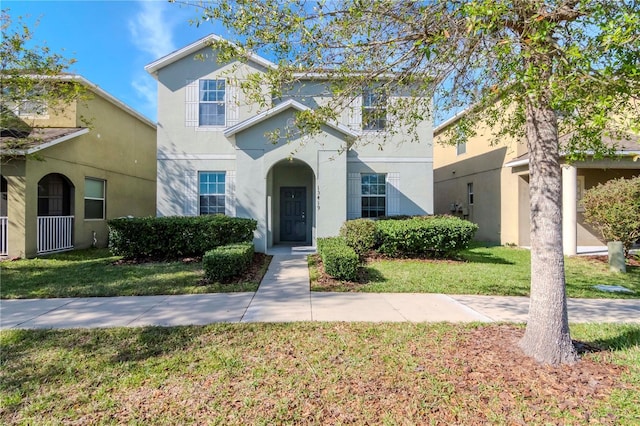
(374, 110)
(373, 192)
(211, 188)
(94, 198)
(211, 104)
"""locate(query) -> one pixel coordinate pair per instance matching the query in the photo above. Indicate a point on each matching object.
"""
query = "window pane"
(93, 209)
(93, 188)
(212, 193)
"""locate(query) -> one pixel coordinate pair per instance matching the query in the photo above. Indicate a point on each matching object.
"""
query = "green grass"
(312, 373)
(93, 272)
(483, 270)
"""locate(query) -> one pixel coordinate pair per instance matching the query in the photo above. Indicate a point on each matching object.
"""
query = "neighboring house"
(489, 185)
(81, 177)
(214, 155)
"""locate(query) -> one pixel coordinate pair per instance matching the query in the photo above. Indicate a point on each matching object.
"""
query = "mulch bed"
(631, 261)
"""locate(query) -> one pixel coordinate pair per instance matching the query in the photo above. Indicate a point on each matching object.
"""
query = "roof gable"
(278, 109)
(192, 48)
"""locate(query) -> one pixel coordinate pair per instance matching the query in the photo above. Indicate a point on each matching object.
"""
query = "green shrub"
(227, 261)
(340, 261)
(360, 235)
(613, 208)
(176, 236)
(426, 235)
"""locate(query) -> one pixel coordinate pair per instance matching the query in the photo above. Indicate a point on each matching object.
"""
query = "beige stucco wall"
(501, 194)
(119, 148)
(497, 190)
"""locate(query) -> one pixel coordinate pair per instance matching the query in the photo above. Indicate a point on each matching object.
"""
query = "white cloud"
(151, 30)
(145, 88)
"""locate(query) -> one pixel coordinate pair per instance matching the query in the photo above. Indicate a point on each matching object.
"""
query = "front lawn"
(95, 272)
(480, 270)
(314, 373)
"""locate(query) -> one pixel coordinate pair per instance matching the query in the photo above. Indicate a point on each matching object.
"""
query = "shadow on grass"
(367, 275)
(156, 341)
(625, 340)
(479, 257)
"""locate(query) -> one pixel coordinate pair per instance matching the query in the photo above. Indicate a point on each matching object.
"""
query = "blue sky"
(112, 41)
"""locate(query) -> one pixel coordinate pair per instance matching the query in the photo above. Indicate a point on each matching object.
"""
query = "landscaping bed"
(314, 373)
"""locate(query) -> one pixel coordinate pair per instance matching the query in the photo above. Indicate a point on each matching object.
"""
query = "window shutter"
(230, 193)
(190, 193)
(233, 104)
(393, 194)
(191, 103)
(354, 205)
(355, 113)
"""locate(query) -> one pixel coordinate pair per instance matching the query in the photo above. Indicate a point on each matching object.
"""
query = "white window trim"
(364, 107)
(385, 195)
(224, 102)
(103, 199)
(31, 116)
(224, 193)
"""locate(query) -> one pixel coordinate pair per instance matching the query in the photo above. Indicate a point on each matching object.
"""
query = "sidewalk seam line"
(44, 313)
(148, 310)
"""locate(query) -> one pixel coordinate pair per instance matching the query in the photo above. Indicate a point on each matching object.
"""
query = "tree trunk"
(547, 337)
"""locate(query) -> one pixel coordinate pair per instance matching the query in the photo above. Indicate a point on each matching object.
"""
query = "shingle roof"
(40, 137)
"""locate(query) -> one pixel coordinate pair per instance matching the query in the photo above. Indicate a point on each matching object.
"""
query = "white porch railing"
(4, 224)
(55, 233)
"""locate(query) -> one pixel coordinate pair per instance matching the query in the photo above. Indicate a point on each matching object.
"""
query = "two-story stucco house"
(214, 155)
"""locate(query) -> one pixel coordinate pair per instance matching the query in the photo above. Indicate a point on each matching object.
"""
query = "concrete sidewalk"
(284, 296)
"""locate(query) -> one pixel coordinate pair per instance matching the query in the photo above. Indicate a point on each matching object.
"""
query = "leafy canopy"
(481, 53)
(30, 82)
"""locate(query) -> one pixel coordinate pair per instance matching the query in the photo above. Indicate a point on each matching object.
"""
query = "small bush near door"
(225, 262)
(340, 261)
(361, 235)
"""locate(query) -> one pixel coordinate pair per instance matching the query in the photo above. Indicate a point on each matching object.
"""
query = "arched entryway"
(291, 189)
(55, 213)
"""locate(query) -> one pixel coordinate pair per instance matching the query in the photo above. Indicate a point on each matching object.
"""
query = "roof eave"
(176, 55)
(278, 109)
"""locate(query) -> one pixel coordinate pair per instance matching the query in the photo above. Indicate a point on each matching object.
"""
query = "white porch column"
(569, 209)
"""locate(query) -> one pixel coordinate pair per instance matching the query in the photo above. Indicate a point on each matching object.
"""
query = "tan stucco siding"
(119, 149)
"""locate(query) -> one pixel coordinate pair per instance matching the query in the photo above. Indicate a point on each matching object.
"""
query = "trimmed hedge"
(426, 235)
(340, 261)
(227, 261)
(361, 235)
(176, 236)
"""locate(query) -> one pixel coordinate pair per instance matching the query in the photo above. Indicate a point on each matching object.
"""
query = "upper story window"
(211, 108)
(32, 108)
(374, 110)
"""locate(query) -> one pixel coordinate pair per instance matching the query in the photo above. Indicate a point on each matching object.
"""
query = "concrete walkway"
(284, 296)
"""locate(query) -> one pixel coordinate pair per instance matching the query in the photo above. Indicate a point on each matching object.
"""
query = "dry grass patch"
(313, 373)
